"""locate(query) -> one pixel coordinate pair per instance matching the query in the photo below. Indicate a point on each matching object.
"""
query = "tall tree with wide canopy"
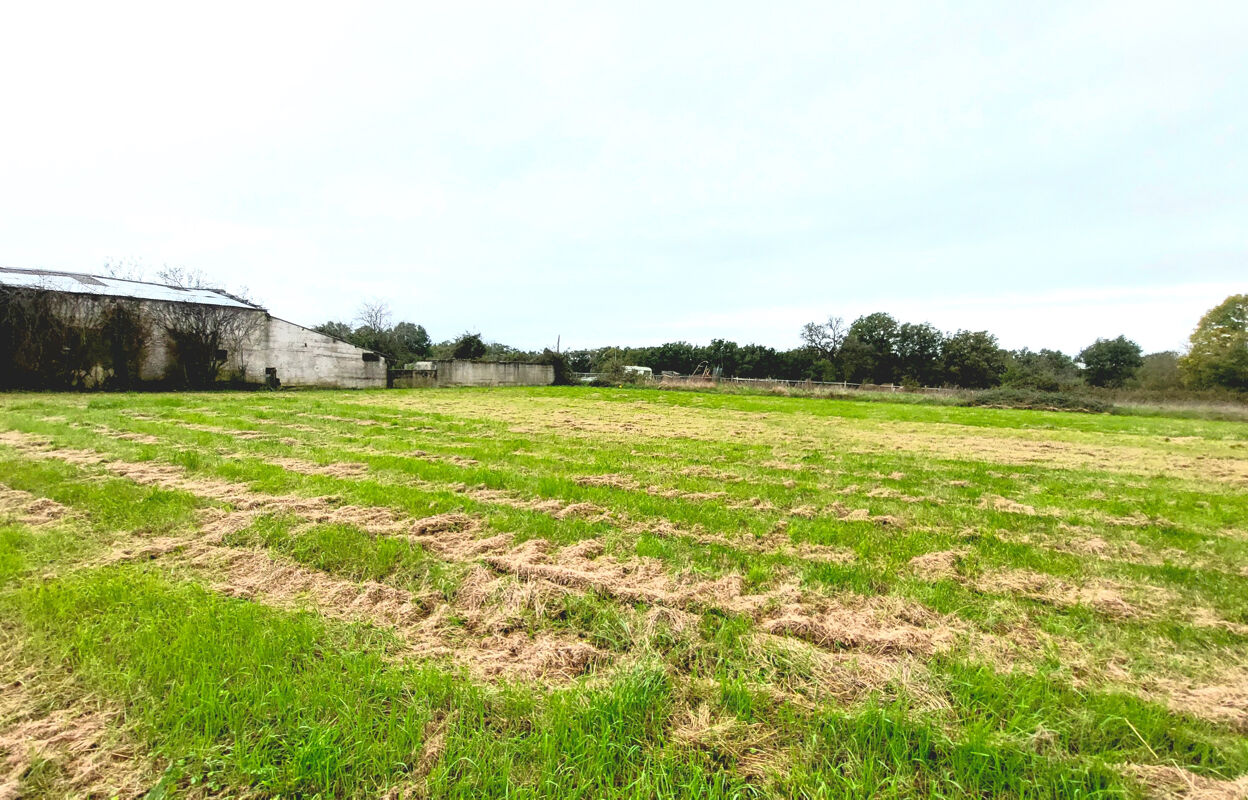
(870, 348)
(1218, 352)
(973, 360)
(1111, 362)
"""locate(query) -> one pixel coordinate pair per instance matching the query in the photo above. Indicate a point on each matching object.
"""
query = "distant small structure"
(458, 372)
(644, 372)
(172, 335)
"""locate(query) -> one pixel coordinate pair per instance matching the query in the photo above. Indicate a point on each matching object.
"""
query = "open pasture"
(616, 593)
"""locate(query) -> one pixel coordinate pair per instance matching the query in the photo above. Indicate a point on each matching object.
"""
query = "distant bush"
(469, 346)
(1018, 397)
(563, 373)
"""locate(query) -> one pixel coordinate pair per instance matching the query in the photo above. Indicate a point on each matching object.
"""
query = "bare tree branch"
(374, 314)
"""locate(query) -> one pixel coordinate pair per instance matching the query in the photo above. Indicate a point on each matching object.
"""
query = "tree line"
(875, 349)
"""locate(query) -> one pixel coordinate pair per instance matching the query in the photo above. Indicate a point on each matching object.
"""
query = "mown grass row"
(1155, 644)
(235, 694)
(881, 553)
(998, 715)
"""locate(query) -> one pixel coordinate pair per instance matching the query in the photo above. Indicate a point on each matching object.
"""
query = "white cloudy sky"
(642, 172)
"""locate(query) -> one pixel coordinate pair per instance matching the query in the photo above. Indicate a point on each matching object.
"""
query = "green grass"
(1033, 697)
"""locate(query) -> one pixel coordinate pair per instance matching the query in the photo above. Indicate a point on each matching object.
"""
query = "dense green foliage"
(1218, 357)
(1111, 362)
(401, 344)
(469, 346)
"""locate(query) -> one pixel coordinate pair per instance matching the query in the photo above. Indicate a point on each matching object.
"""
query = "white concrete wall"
(493, 373)
(301, 356)
(304, 357)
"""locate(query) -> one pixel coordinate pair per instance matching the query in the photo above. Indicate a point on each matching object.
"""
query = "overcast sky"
(644, 172)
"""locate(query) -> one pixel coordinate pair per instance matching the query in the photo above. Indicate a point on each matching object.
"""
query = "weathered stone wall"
(477, 373)
(303, 357)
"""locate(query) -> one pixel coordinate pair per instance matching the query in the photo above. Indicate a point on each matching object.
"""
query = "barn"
(70, 330)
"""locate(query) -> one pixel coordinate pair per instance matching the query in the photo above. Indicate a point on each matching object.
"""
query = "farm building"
(67, 330)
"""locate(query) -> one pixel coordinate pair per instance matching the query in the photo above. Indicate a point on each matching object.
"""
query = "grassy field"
(585, 593)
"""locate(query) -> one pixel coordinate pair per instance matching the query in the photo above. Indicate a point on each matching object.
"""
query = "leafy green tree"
(563, 371)
(1110, 362)
(338, 330)
(972, 360)
(673, 356)
(918, 353)
(800, 364)
(722, 355)
(580, 360)
(1160, 372)
(497, 351)
(1218, 352)
(870, 349)
(411, 340)
(1047, 370)
(758, 361)
(468, 346)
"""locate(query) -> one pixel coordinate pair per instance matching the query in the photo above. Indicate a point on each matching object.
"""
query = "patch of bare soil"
(77, 748)
(626, 482)
(29, 509)
(1176, 783)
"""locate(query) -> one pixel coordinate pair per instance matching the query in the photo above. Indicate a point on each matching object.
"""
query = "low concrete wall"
(475, 373)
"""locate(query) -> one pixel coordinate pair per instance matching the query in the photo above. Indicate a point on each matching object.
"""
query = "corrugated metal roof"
(76, 283)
